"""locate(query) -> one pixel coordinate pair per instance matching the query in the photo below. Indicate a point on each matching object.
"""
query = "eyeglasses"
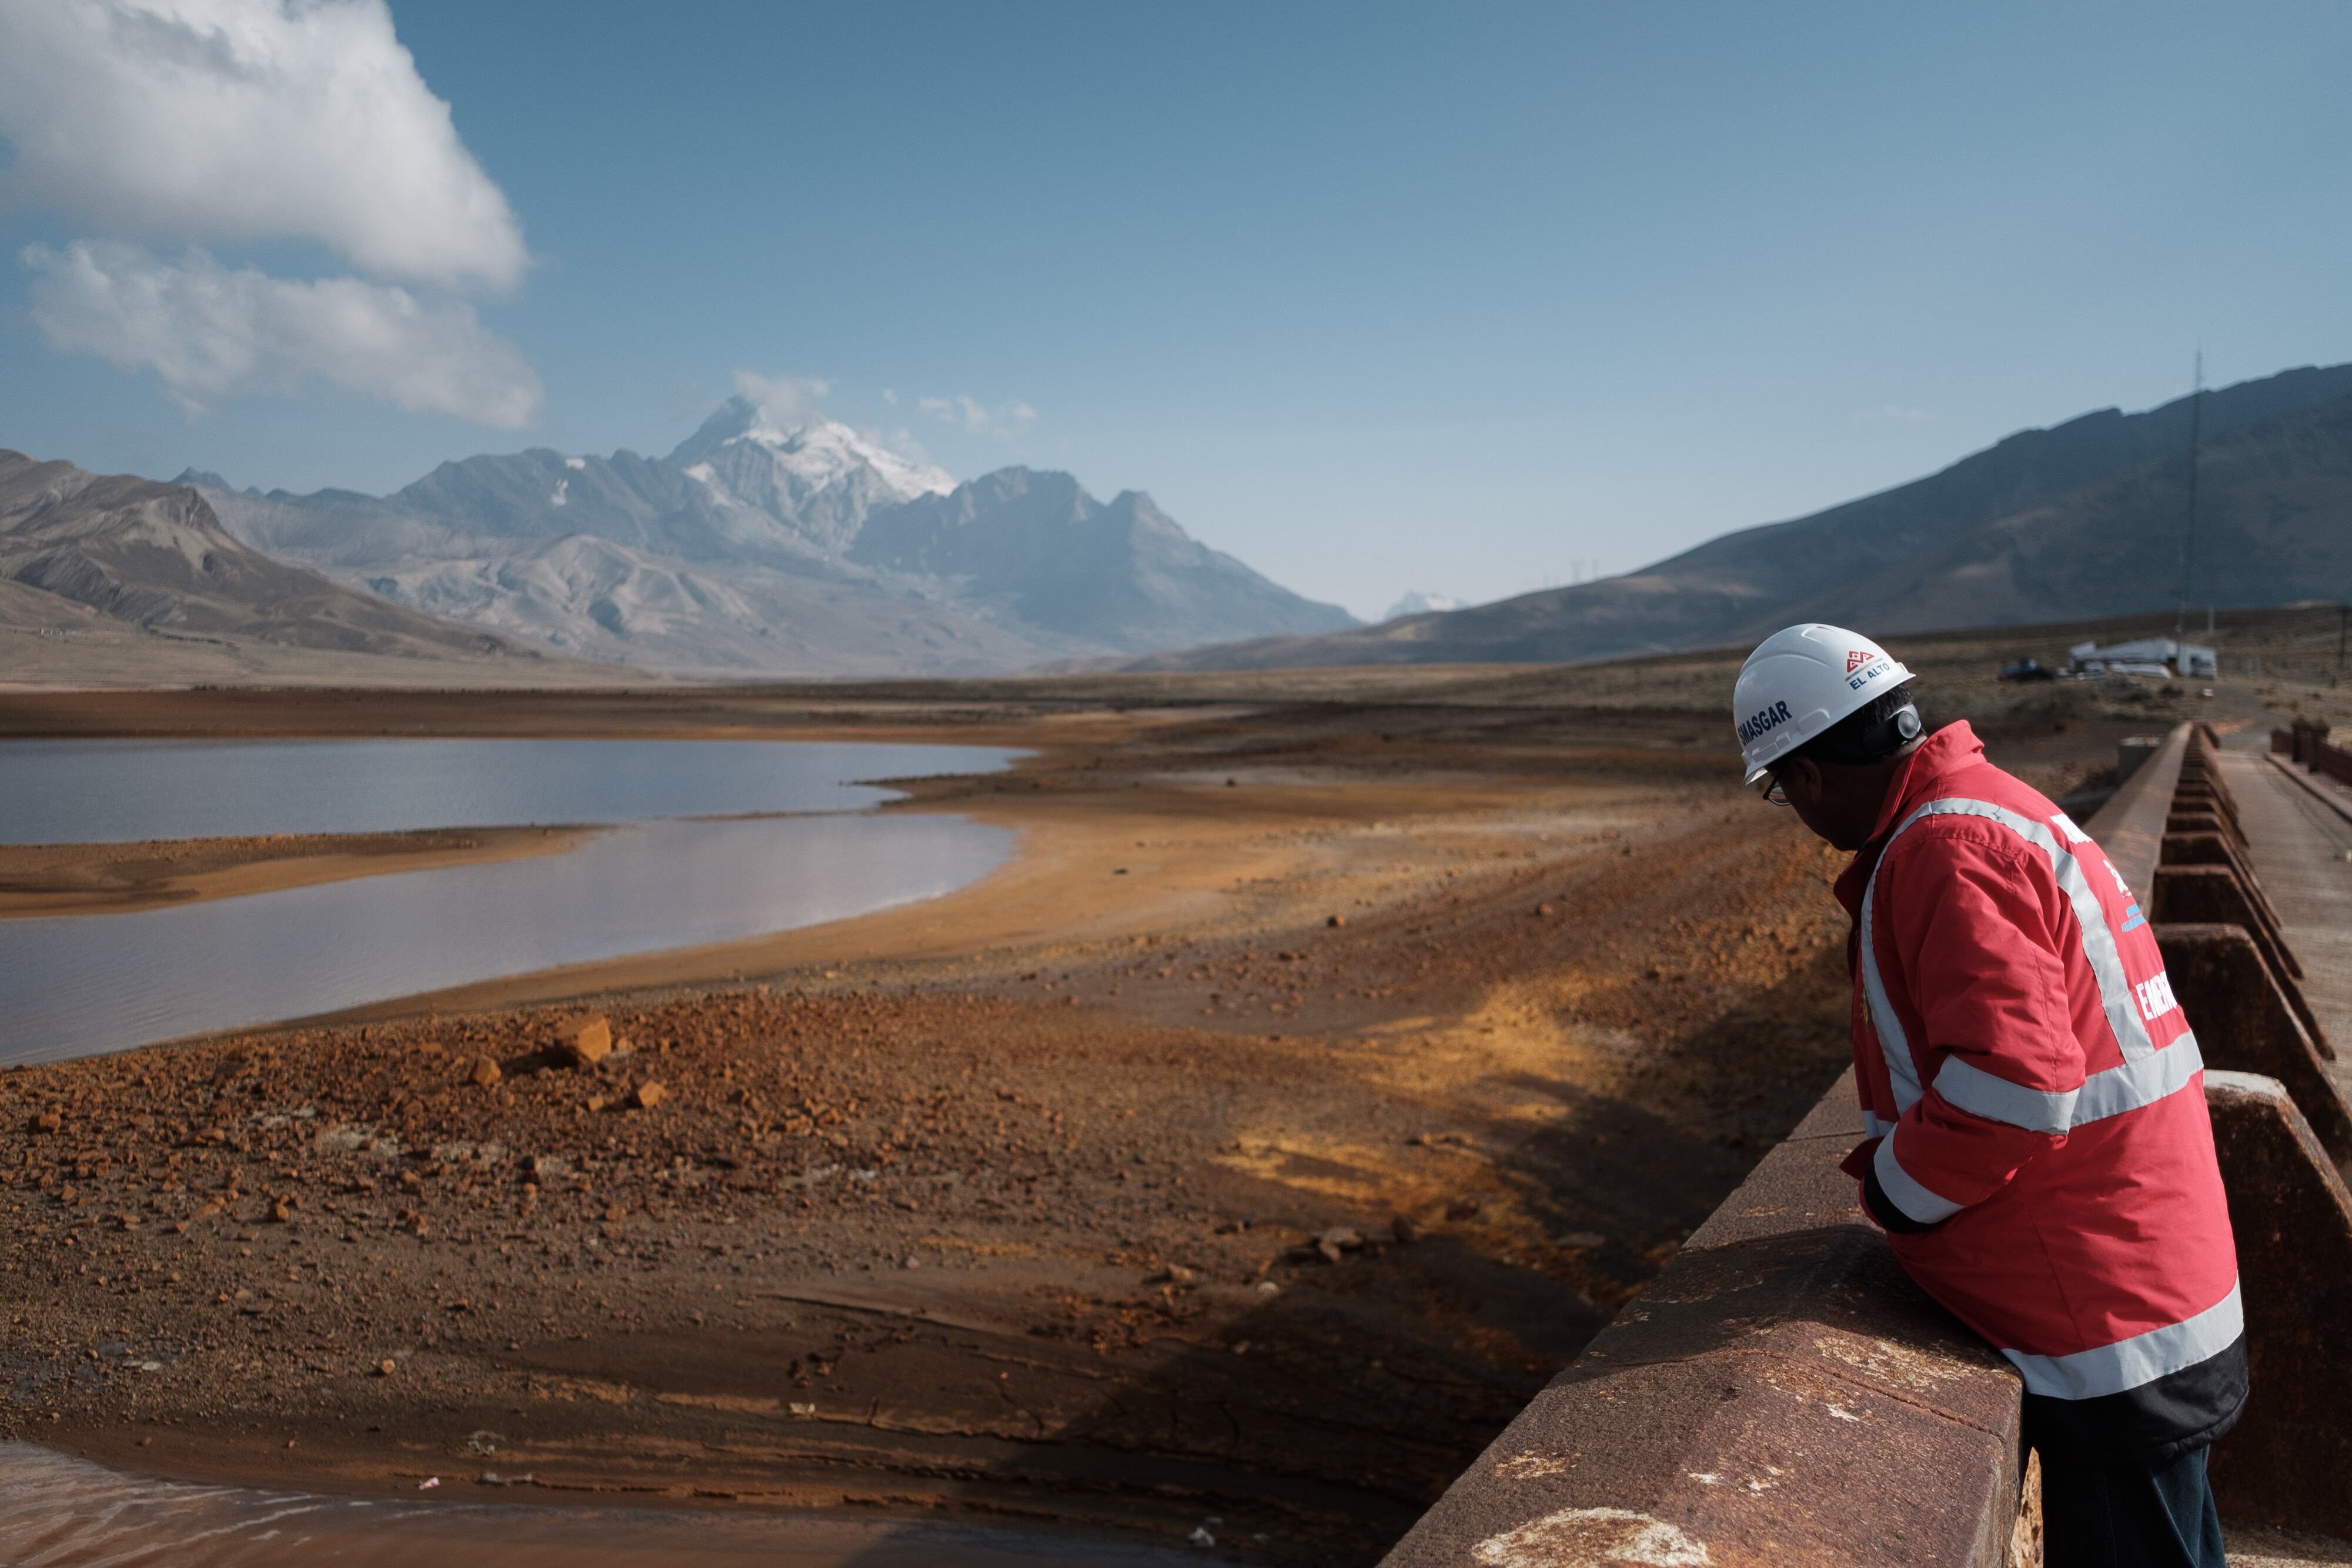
(1768, 787)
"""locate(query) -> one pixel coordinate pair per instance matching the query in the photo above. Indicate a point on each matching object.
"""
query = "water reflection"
(104, 982)
(103, 791)
(62, 1513)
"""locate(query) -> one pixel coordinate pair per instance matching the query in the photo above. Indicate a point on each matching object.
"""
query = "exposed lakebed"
(59, 1511)
(705, 842)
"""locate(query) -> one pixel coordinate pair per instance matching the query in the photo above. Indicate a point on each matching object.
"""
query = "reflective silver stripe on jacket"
(1874, 1125)
(2106, 1093)
(1906, 1193)
(2147, 1075)
(2143, 1358)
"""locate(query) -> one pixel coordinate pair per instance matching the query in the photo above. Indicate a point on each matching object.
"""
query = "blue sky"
(1378, 297)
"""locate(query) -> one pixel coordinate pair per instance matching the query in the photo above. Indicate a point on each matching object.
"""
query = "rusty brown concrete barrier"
(2212, 895)
(2199, 845)
(2244, 1023)
(2199, 893)
(2289, 1463)
(1781, 1395)
(2130, 826)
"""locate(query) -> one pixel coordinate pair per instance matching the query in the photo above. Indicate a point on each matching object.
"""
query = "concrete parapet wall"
(2289, 1462)
(2244, 1023)
(1781, 1394)
(2130, 826)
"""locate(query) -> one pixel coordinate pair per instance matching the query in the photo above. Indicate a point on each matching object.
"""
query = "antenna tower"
(2189, 526)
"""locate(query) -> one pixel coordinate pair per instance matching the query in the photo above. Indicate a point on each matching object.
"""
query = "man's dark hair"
(1870, 733)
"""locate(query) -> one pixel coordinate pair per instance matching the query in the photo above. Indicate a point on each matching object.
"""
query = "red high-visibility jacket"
(2041, 1151)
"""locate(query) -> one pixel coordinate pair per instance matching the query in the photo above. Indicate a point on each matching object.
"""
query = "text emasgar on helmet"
(1800, 682)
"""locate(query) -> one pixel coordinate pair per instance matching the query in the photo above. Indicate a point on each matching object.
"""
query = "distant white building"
(1420, 603)
(2147, 656)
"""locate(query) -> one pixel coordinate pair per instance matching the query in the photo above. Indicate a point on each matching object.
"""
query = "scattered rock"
(1543, 911)
(1462, 1208)
(585, 1042)
(1404, 1230)
(648, 1094)
(386, 1368)
(1336, 921)
(1174, 1274)
(1582, 1240)
(485, 1072)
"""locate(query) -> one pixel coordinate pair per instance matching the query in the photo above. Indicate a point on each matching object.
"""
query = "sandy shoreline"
(975, 1206)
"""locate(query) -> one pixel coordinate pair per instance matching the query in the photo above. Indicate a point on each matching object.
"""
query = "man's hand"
(1873, 1197)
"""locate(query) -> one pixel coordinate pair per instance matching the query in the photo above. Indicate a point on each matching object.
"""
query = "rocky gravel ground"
(1272, 1217)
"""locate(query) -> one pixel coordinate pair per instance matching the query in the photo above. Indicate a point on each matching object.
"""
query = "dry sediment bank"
(38, 880)
(975, 1205)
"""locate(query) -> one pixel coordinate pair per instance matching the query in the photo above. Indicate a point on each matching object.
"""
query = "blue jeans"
(2100, 1513)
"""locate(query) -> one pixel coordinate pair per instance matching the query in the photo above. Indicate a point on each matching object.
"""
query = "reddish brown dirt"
(986, 1220)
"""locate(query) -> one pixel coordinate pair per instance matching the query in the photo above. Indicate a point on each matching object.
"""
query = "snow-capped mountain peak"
(819, 452)
(825, 452)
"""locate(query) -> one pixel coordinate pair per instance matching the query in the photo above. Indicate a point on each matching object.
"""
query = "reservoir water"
(683, 864)
(107, 791)
(63, 1512)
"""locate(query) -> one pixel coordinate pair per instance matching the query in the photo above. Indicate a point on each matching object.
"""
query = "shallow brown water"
(57, 1511)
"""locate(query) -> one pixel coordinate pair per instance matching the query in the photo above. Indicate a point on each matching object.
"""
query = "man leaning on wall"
(2038, 1149)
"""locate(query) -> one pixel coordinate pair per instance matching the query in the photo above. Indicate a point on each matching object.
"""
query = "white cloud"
(789, 402)
(1004, 419)
(211, 332)
(248, 119)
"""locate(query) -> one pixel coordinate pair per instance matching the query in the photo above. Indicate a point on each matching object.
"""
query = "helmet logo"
(1770, 718)
(1854, 660)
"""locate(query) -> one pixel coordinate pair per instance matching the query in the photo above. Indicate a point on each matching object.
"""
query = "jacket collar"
(1920, 780)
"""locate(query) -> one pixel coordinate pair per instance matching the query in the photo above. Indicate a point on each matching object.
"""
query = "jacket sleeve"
(1973, 927)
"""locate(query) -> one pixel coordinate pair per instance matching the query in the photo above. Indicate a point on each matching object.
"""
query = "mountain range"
(762, 546)
(765, 546)
(2079, 521)
(115, 576)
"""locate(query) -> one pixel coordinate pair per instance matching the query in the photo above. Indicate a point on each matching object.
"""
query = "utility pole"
(2189, 529)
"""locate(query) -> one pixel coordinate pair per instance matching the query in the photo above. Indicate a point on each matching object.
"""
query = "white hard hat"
(1801, 681)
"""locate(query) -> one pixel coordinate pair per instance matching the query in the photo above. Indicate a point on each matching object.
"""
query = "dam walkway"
(2299, 835)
